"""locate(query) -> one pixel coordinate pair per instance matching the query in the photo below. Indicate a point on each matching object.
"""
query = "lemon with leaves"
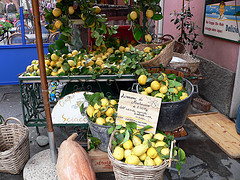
(152, 153)
(159, 136)
(165, 151)
(163, 89)
(54, 57)
(136, 140)
(58, 24)
(104, 102)
(109, 112)
(133, 15)
(90, 111)
(57, 12)
(97, 9)
(142, 79)
(96, 113)
(118, 153)
(128, 144)
(149, 13)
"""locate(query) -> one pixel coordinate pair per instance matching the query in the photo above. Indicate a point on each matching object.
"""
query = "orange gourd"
(73, 162)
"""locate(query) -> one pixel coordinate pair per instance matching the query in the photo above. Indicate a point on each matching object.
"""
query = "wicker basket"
(190, 65)
(14, 147)
(123, 171)
(163, 58)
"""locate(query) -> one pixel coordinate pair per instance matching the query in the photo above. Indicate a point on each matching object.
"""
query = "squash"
(73, 162)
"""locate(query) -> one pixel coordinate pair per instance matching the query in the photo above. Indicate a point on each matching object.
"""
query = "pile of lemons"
(162, 87)
(104, 112)
(148, 153)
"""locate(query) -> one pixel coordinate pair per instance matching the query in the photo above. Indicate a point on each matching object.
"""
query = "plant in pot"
(101, 113)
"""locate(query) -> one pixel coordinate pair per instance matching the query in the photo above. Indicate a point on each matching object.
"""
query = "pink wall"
(222, 52)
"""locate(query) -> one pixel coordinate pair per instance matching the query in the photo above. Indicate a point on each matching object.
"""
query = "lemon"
(99, 62)
(58, 64)
(157, 160)
(184, 94)
(155, 85)
(143, 157)
(92, 25)
(142, 79)
(74, 52)
(97, 9)
(53, 30)
(110, 50)
(128, 144)
(113, 102)
(83, 62)
(164, 76)
(183, 97)
(147, 136)
(127, 152)
(61, 71)
(90, 111)
(121, 49)
(148, 90)
(160, 95)
(179, 88)
(152, 153)
(54, 57)
(127, 49)
(69, 55)
(52, 63)
(164, 89)
(109, 119)
(100, 121)
(29, 68)
(58, 24)
(96, 106)
(83, 18)
(144, 93)
(117, 51)
(118, 153)
(149, 162)
(158, 136)
(140, 163)
(96, 113)
(109, 112)
(149, 13)
(104, 102)
(136, 140)
(133, 15)
(71, 10)
(71, 63)
(47, 62)
(147, 49)
(54, 73)
(165, 151)
(140, 149)
(57, 12)
(34, 61)
(90, 63)
(148, 38)
(160, 143)
(132, 159)
(60, 59)
(35, 67)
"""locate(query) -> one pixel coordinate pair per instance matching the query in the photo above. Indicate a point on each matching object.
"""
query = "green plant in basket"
(135, 146)
(101, 110)
(169, 87)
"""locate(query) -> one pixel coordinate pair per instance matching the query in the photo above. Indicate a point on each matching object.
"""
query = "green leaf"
(119, 138)
(171, 76)
(118, 127)
(126, 138)
(110, 130)
(178, 84)
(182, 156)
(131, 125)
(137, 33)
(145, 128)
(64, 50)
(157, 17)
(178, 166)
(171, 83)
(82, 108)
(59, 44)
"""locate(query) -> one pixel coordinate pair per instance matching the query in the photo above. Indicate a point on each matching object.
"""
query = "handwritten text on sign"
(142, 109)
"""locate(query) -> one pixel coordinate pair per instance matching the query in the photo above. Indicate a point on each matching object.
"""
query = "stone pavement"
(205, 160)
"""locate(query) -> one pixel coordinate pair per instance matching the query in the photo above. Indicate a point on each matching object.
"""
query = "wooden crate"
(100, 161)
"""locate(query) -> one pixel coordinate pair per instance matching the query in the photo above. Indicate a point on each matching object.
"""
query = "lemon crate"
(31, 93)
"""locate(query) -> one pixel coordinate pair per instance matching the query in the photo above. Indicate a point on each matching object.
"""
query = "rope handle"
(13, 118)
(171, 151)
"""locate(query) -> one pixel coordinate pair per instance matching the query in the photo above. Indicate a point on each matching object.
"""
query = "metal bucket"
(100, 132)
(173, 114)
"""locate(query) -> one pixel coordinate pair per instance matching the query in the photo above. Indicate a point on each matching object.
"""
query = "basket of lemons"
(135, 154)
(176, 94)
(101, 114)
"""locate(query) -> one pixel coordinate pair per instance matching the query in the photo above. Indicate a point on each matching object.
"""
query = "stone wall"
(218, 86)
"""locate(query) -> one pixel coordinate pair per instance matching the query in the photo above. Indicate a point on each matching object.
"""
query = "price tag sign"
(141, 109)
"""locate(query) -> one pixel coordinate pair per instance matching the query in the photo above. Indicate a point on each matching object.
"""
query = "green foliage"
(5, 26)
(1, 119)
(187, 28)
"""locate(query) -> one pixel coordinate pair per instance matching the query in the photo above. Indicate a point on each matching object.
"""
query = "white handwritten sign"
(67, 109)
(142, 109)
